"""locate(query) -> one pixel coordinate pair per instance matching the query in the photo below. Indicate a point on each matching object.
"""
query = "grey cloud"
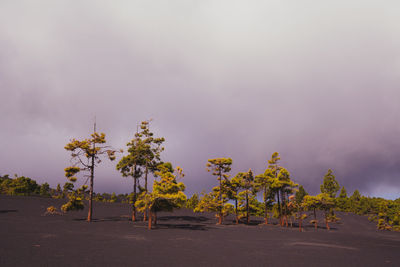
(316, 82)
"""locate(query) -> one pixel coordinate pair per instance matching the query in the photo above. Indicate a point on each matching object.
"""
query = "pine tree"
(342, 202)
(326, 203)
(192, 202)
(58, 191)
(220, 167)
(330, 186)
(75, 198)
(167, 193)
(275, 185)
(130, 165)
(113, 198)
(90, 149)
(312, 203)
(298, 203)
(300, 194)
(45, 190)
(211, 202)
(248, 194)
(354, 202)
(150, 152)
(235, 184)
(263, 183)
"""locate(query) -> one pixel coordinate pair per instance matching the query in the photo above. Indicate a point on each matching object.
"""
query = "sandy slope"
(27, 238)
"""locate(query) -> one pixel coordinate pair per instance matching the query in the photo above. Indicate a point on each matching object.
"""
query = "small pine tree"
(220, 167)
(45, 190)
(312, 203)
(192, 202)
(113, 198)
(330, 186)
(342, 202)
(75, 199)
(167, 193)
(300, 194)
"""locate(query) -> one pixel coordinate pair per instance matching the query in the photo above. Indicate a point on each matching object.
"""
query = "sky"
(316, 81)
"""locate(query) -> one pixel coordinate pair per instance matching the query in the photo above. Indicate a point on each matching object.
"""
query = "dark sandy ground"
(28, 238)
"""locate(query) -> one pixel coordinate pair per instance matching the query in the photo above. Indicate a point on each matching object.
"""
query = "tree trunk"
(89, 218)
(247, 208)
(236, 211)
(279, 209)
(326, 221)
(134, 196)
(149, 227)
(265, 205)
(315, 219)
(145, 188)
(285, 211)
(220, 198)
(300, 222)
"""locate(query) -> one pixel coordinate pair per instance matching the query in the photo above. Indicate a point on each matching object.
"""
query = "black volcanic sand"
(182, 238)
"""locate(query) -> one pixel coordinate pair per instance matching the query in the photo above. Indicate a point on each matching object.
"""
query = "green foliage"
(192, 202)
(330, 186)
(343, 202)
(220, 167)
(75, 200)
(210, 203)
(248, 203)
(300, 194)
(85, 155)
(310, 202)
(167, 193)
(70, 172)
(91, 149)
(113, 198)
(144, 152)
(45, 190)
(68, 187)
(343, 192)
(19, 186)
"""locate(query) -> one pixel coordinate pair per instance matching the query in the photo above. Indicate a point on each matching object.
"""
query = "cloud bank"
(317, 82)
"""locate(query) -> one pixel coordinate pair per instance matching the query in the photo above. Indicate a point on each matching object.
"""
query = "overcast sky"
(316, 81)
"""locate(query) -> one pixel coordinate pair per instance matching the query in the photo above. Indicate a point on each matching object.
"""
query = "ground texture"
(183, 238)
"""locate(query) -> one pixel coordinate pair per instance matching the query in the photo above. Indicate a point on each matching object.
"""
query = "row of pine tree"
(238, 194)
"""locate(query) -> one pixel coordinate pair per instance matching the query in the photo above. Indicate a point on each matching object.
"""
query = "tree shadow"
(183, 218)
(254, 222)
(193, 222)
(186, 226)
(310, 226)
(106, 219)
(7, 211)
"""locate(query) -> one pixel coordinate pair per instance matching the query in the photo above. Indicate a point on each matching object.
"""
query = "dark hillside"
(182, 238)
